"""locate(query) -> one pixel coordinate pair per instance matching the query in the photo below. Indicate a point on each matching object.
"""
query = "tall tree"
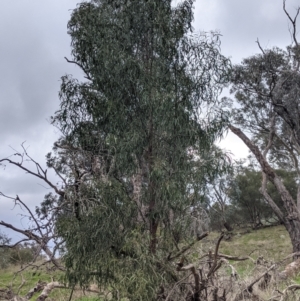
(137, 141)
(136, 135)
(266, 87)
(248, 201)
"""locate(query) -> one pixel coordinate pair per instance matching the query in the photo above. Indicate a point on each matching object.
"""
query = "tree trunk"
(227, 226)
(291, 219)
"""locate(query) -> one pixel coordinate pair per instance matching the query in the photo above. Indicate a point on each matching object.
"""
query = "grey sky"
(34, 42)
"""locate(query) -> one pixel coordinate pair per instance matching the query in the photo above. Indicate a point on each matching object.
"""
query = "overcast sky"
(33, 45)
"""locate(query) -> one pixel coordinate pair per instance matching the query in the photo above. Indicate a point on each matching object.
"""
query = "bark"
(291, 219)
(227, 226)
(270, 201)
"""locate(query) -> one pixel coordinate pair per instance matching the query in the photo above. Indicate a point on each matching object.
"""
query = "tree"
(137, 144)
(266, 87)
(218, 202)
(4, 251)
(136, 138)
(250, 204)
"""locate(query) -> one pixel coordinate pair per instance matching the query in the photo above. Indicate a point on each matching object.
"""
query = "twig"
(249, 289)
(187, 247)
(293, 21)
(173, 288)
(293, 287)
(212, 269)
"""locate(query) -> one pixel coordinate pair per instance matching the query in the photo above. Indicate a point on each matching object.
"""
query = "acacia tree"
(266, 86)
(137, 141)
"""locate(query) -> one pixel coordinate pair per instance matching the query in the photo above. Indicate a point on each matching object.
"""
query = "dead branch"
(290, 270)
(40, 240)
(39, 173)
(234, 258)
(197, 289)
(293, 21)
(47, 290)
(293, 255)
(214, 265)
(261, 49)
(22, 284)
(184, 249)
(234, 273)
(249, 289)
(175, 285)
(38, 287)
(80, 66)
(292, 287)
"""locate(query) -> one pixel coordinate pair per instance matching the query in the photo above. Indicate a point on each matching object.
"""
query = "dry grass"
(266, 247)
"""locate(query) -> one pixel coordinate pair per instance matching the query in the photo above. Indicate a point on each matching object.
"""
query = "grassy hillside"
(270, 245)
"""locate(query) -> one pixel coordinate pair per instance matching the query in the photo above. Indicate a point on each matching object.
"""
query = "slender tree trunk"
(227, 226)
(153, 222)
(291, 219)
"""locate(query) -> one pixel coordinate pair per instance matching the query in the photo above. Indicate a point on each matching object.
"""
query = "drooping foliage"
(137, 143)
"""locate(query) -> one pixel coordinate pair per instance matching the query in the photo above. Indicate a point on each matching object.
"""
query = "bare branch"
(258, 43)
(292, 287)
(213, 267)
(184, 249)
(249, 289)
(81, 67)
(293, 21)
(14, 245)
(41, 173)
(40, 240)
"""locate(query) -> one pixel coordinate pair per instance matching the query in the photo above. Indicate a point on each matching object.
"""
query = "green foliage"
(20, 255)
(266, 87)
(247, 200)
(137, 146)
(4, 251)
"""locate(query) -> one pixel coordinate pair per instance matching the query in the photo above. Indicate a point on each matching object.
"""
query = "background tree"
(4, 250)
(266, 88)
(248, 201)
(218, 203)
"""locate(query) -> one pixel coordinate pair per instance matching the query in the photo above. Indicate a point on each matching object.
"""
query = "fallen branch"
(187, 247)
(228, 257)
(214, 266)
(290, 270)
(47, 290)
(249, 289)
(292, 287)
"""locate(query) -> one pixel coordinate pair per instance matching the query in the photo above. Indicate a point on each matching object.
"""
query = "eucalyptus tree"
(137, 141)
(266, 87)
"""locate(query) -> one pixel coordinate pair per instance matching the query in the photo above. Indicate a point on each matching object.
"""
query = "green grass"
(9, 278)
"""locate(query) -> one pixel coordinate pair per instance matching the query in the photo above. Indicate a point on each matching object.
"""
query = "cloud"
(242, 22)
(33, 45)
